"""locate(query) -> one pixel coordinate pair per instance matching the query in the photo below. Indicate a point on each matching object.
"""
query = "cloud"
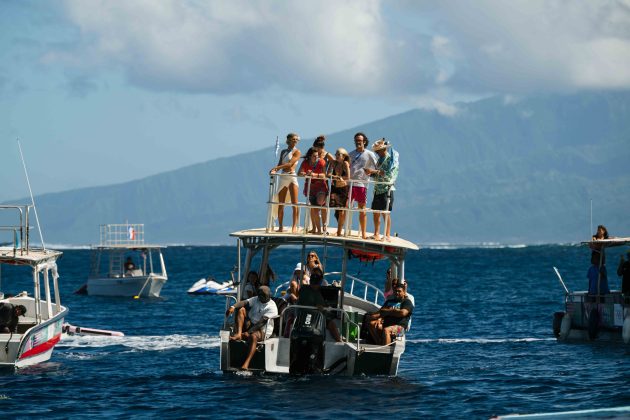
(355, 47)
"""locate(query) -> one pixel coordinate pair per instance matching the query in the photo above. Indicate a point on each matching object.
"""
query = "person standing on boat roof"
(255, 316)
(598, 250)
(9, 316)
(320, 145)
(360, 160)
(287, 183)
(339, 171)
(623, 270)
(315, 188)
(386, 171)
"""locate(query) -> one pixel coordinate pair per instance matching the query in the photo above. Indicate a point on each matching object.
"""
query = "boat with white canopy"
(40, 328)
(597, 314)
(123, 265)
(301, 342)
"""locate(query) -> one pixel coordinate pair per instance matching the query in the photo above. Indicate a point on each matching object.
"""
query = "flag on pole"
(132, 233)
(277, 146)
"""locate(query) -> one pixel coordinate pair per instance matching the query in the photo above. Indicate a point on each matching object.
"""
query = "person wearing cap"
(9, 316)
(293, 291)
(254, 320)
(385, 174)
(393, 317)
(361, 161)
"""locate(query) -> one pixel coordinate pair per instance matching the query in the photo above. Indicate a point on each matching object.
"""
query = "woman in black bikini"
(339, 171)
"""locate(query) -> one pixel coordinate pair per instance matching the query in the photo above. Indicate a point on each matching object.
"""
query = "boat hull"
(34, 345)
(142, 286)
(592, 318)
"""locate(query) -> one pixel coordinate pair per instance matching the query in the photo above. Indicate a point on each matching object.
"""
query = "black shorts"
(380, 201)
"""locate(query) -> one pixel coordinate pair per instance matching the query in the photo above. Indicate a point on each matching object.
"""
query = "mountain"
(498, 170)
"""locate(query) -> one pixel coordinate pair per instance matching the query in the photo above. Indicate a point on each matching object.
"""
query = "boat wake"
(479, 340)
(142, 342)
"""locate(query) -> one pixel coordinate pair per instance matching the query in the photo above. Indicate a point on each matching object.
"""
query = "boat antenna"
(41, 237)
(591, 231)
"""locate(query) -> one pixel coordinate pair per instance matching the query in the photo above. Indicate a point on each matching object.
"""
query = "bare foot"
(235, 337)
(312, 231)
(294, 229)
(280, 230)
(388, 239)
(339, 234)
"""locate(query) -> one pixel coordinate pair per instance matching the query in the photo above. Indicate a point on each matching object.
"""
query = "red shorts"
(359, 194)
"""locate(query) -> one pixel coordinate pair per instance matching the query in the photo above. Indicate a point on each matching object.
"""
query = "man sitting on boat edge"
(392, 318)
(256, 316)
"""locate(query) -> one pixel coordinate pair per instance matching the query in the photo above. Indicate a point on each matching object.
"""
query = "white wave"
(484, 245)
(479, 340)
(142, 342)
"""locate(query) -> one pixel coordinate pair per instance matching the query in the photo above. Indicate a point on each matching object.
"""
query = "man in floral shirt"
(386, 171)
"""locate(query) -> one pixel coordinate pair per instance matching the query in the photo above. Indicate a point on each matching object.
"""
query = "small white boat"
(123, 265)
(40, 328)
(599, 314)
(209, 286)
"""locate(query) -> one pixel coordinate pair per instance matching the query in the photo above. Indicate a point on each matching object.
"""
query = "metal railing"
(20, 237)
(122, 234)
(304, 220)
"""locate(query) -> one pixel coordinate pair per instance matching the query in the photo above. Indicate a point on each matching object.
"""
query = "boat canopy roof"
(31, 257)
(609, 242)
(395, 246)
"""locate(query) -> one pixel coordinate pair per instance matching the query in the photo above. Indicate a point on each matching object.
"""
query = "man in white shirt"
(361, 159)
(256, 315)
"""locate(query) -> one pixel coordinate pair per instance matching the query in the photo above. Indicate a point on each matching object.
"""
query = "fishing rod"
(41, 237)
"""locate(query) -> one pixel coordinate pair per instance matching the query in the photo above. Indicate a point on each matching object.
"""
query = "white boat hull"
(142, 286)
(34, 345)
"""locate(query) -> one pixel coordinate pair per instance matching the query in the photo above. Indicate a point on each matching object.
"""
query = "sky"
(101, 92)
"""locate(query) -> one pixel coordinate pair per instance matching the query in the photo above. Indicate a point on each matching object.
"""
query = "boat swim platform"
(330, 238)
(32, 256)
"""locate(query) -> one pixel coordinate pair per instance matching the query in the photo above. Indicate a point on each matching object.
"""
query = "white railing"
(122, 234)
(304, 219)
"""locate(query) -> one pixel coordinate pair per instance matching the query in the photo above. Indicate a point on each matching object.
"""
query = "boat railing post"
(327, 221)
(47, 291)
(38, 316)
(55, 277)
(349, 216)
(307, 216)
(270, 205)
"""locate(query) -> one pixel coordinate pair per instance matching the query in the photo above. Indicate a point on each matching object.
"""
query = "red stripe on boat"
(42, 347)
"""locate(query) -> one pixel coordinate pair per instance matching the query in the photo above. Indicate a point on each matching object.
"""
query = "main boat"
(123, 265)
(39, 330)
(301, 343)
(599, 315)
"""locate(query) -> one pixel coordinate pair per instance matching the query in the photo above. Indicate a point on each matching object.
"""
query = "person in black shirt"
(311, 295)
(9, 316)
(392, 318)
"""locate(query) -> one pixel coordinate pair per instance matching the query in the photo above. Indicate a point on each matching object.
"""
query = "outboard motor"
(307, 342)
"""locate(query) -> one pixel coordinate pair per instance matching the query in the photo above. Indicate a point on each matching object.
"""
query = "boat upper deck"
(352, 240)
(31, 256)
(609, 242)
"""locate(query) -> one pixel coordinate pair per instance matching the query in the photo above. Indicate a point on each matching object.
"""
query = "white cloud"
(354, 47)
(218, 46)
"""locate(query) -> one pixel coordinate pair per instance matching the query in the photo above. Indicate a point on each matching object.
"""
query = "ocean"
(481, 344)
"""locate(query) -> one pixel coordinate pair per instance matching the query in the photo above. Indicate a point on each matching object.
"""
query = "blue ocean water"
(480, 344)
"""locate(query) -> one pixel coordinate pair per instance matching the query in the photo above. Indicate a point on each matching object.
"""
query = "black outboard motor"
(307, 342)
